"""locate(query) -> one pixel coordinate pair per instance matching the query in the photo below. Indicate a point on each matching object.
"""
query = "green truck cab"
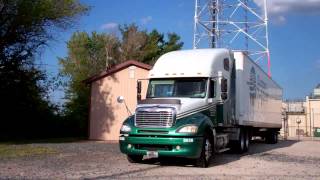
(183, 139)
(157, 130)
(191, 109)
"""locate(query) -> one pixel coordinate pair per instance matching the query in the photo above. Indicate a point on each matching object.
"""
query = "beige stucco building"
(106, 114)
(302, 117)
(312, 114)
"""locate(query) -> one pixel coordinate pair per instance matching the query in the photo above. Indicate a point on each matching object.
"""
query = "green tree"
(25, 27)
(133, 42)
(146, 47)
(153, 47)
(157, 45)
(172, 44)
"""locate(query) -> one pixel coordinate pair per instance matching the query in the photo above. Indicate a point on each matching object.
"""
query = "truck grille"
(154, 117)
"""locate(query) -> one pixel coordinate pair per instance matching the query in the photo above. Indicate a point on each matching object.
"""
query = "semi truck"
(200, 103)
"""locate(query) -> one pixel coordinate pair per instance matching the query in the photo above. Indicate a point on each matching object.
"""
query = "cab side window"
(212, 89)
(226, 64)
(224, 89)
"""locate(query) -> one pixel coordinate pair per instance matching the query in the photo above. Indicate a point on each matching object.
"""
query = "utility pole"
(285, 126)
(298, 122)
(309, 112)
(312, 110)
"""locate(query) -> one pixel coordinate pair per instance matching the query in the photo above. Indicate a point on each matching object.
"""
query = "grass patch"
(41, 141)
(13, 151)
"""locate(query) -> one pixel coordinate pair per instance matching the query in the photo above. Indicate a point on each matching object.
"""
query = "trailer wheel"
(272, 137)
(134, 158)
(239, 146)
(276, 138)
(247, 141)
(206, 153)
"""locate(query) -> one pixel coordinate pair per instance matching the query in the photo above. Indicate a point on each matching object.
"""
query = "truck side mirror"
(120, 99)
(224, 89)
(138, 90)
(224, 85)
(224, 96)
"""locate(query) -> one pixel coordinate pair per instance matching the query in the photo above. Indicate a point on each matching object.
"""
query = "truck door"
(212, 101)
(225, 109)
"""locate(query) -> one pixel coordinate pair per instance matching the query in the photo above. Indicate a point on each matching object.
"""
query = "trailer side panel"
(258, 97)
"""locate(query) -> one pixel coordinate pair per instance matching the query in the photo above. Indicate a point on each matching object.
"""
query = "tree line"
(26, 28)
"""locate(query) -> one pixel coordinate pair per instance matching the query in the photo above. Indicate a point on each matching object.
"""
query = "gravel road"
(101, 160)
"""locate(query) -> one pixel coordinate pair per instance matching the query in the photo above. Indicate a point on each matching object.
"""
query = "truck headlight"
(125, 128)
(188, 129)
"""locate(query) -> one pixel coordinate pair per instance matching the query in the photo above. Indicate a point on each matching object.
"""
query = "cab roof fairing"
(190, 63)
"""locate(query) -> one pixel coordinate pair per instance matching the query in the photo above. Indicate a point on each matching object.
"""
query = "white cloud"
(277, 9)
(146, 20)
(278, 19)
(110, 26)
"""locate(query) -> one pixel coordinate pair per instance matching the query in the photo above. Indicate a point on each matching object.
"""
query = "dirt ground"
(100, 160)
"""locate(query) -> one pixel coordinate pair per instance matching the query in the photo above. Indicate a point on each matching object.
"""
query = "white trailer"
(258, 97)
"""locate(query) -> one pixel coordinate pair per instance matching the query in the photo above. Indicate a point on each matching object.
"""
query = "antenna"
(239, 25)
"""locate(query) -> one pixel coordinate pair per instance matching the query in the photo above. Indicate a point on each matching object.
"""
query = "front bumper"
(189, 147)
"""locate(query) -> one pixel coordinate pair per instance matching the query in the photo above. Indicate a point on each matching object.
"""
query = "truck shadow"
(256, 147)
(126, 173)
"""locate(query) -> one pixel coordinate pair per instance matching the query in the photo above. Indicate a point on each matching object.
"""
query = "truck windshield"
(192, 88)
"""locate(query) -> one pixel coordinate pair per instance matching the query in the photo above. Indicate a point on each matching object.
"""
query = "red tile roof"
(117, 68)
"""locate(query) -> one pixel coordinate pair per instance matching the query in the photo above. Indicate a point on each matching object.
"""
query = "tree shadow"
(256, 147)
(101, 115)
(117, 175)
(45, 141)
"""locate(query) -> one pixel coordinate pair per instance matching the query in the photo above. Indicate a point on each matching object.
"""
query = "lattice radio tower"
(240, 25)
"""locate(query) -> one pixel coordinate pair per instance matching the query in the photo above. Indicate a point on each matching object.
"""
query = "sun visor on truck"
(160, 101)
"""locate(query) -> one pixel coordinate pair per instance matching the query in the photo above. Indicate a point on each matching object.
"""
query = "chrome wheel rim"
(247, 141)
(242, 142)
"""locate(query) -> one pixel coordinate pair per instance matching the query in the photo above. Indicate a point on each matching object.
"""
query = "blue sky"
(293, 34)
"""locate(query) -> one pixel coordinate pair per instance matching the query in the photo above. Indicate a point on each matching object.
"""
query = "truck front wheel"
(206, 152)
(134, 158)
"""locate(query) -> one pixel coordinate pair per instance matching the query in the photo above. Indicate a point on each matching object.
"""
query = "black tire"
(134, 158)
(276, 138)
(239, 145)
(272, 137)
(206, 153)
(246, 141)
